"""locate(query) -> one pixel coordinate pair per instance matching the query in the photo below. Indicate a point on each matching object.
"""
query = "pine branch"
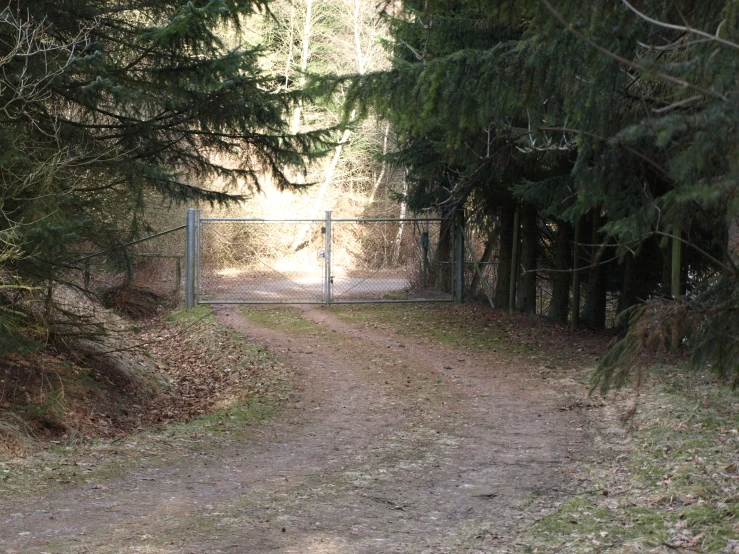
(630, 64)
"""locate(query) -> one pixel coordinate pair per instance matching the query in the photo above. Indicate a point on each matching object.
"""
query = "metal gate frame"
(193, 265)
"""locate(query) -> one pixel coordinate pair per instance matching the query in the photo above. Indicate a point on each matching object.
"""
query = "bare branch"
(684, 28)
(638, 67)
(677, 104)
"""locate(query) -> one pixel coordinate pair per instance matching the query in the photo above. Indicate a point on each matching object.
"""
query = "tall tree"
(130, 99)
(641, 106)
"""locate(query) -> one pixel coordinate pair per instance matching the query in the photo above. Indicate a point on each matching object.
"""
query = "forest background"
(591, 147)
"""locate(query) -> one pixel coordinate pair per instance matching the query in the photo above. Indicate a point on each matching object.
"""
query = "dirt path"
(389, 447)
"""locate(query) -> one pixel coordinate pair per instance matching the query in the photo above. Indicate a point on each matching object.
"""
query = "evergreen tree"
(106, 103)
(594, 110)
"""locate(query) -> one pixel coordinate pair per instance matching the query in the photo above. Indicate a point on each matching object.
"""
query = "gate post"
(327, 262)
(190, 259)
(459, 258)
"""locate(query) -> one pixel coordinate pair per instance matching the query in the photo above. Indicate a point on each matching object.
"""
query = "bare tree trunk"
(486, 253)
(331, 167)
(628, 296)
(559, 307)
(576, 254)
(295, 126)
(328, 177)
(595, 303)
(378, 181)
(443, 259)
(361, 61)
(289, 60)
(733, 241)
(505, 254)
(529, 239)
(403, 208)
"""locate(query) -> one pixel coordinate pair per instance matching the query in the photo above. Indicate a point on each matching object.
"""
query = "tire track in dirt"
(390, 447)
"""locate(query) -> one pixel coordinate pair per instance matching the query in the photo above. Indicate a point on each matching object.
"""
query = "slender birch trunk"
(331, 167)
(401, 223)
(289, 60)
(378, 181)
(295, 126)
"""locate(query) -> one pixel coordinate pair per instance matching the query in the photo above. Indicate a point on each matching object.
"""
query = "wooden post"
(675, 287)
(178, 273)
(514, 263)
(575, 321)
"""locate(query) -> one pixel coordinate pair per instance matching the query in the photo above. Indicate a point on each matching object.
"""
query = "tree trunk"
(560, 305)
(666, 272)
(628, 296)
(442, 263)
(378, 181)
(295, 126)
(595, 302)
(288, 61)
(576, 255)
(504, 254)
(487, 252)
(733, 241)
(677, 263)
(318, 204)
(529, 241)
(401, 223)
(515, 260)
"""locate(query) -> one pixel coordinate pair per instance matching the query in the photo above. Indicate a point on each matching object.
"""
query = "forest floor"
(386, 429)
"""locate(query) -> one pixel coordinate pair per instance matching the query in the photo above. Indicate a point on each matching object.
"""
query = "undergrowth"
(671, 485)
(479, 328)
(187, 368)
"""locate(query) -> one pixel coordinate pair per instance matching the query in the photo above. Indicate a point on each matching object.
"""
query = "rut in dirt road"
(389, 447)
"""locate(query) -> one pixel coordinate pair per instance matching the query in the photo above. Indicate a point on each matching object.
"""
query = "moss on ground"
(284, 318)
(440, 324)
(675, 484)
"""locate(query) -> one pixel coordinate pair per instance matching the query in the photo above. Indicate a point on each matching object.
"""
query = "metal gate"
(318, 261)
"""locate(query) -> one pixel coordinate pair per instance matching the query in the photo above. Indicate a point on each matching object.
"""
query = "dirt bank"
(387, 444)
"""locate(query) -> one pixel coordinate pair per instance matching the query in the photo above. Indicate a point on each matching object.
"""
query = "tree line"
(108, 108)
(595, 143)
(592, 145)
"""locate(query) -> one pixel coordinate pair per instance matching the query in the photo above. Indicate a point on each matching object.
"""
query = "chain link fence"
(316, 261)
(386, 260)
(256, 261)
(154, 263)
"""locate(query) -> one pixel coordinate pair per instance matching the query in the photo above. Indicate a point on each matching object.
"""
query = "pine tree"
(598, 110)
(109, 104)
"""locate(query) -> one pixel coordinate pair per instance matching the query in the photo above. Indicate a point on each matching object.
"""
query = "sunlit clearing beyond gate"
(320, 261)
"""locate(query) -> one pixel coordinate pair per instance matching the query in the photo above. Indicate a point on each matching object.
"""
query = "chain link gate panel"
(318, 261)
(261, 261)
(389, 260)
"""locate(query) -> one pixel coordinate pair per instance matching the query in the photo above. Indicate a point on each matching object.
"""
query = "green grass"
(190, 317)
(677, 483)
(236, 418)
(441, 324)
(99, 460)
(281, 317)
